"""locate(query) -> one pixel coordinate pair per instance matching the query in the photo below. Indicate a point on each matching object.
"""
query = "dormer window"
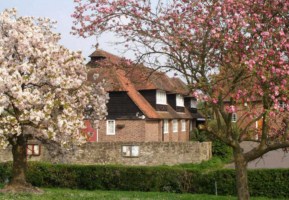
(179, 100)
(161, 97)
(193, 103)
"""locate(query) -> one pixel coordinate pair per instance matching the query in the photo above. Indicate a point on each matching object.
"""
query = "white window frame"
(175, 126)
(180, 100)
(184, 124)
(161, 97)
(108, 132)
(234, 117)
(193, 103)
(130, 151)
(166, 126)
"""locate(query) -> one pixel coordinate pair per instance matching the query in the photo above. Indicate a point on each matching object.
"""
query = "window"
(193, 103)
(161, 97)
(33, 150)
(183, 125)
(180, 100)
(175, 125)
(234, 117)
(110, 127)
(166, 126)
(130, 151)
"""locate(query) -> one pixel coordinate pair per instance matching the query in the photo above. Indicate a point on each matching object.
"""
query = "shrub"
(5, 172)
(221, 150)
(264, 182)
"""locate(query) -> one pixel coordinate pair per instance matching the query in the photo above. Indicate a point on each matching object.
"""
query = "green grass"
(68, 194)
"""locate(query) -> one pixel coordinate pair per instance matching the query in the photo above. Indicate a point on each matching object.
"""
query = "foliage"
(199, 135)
(210, 165)
(264, 182)
(43, 89)
(219, 148)
(232, 54)
(5, 172)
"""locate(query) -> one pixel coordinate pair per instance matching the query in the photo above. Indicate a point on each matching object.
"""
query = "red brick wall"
(167, 136)
(132, 131)
(175, 135)
(184, 135)
(153, 131)
(143, 131)
(243, 119)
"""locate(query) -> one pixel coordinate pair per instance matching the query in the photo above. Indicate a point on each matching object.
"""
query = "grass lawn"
(59, 194)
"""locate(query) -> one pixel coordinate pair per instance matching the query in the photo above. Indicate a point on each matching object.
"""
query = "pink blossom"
(230, 109)
(265, 34)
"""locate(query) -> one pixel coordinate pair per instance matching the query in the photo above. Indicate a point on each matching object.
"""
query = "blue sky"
(60, 10)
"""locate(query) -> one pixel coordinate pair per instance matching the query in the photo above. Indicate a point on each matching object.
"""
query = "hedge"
(264, 182)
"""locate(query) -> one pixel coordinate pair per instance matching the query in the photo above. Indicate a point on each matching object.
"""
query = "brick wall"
(184, 135)
(143, 131)
(150, 153)
(153, 131)
(126, 130)
(174, 135)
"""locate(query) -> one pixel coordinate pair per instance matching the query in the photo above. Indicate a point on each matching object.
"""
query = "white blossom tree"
(43, 90)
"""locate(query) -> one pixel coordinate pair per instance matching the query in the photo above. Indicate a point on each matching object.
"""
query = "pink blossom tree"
(43, 90)
(234, 52)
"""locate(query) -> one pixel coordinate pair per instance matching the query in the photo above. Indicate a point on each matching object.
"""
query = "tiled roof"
(110, 76)
(142, 77)
(103, 54)
(179, 86)
(135, 78)
(172, 114)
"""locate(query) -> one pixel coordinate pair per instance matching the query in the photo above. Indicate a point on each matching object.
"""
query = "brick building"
(145, 105)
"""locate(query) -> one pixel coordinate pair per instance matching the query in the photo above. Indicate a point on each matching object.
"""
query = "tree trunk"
(18, 183)
(19, 161)
(241, 175)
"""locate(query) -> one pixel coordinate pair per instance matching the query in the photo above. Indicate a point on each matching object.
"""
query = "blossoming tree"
(234, 52)
(43, 90)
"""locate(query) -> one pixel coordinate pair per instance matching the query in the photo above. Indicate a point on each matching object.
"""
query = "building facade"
(144, 106)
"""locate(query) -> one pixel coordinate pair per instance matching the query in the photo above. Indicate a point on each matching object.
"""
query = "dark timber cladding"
(188, 104)
(172, 100)
(150, 96)
(120, 106)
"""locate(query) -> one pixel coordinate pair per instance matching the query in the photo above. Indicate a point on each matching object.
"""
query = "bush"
(264, 182)
(5, 172)
(205, 166)
(111, 177)
(221, 150)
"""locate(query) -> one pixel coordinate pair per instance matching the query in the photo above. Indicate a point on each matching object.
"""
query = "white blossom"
(42, 84)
